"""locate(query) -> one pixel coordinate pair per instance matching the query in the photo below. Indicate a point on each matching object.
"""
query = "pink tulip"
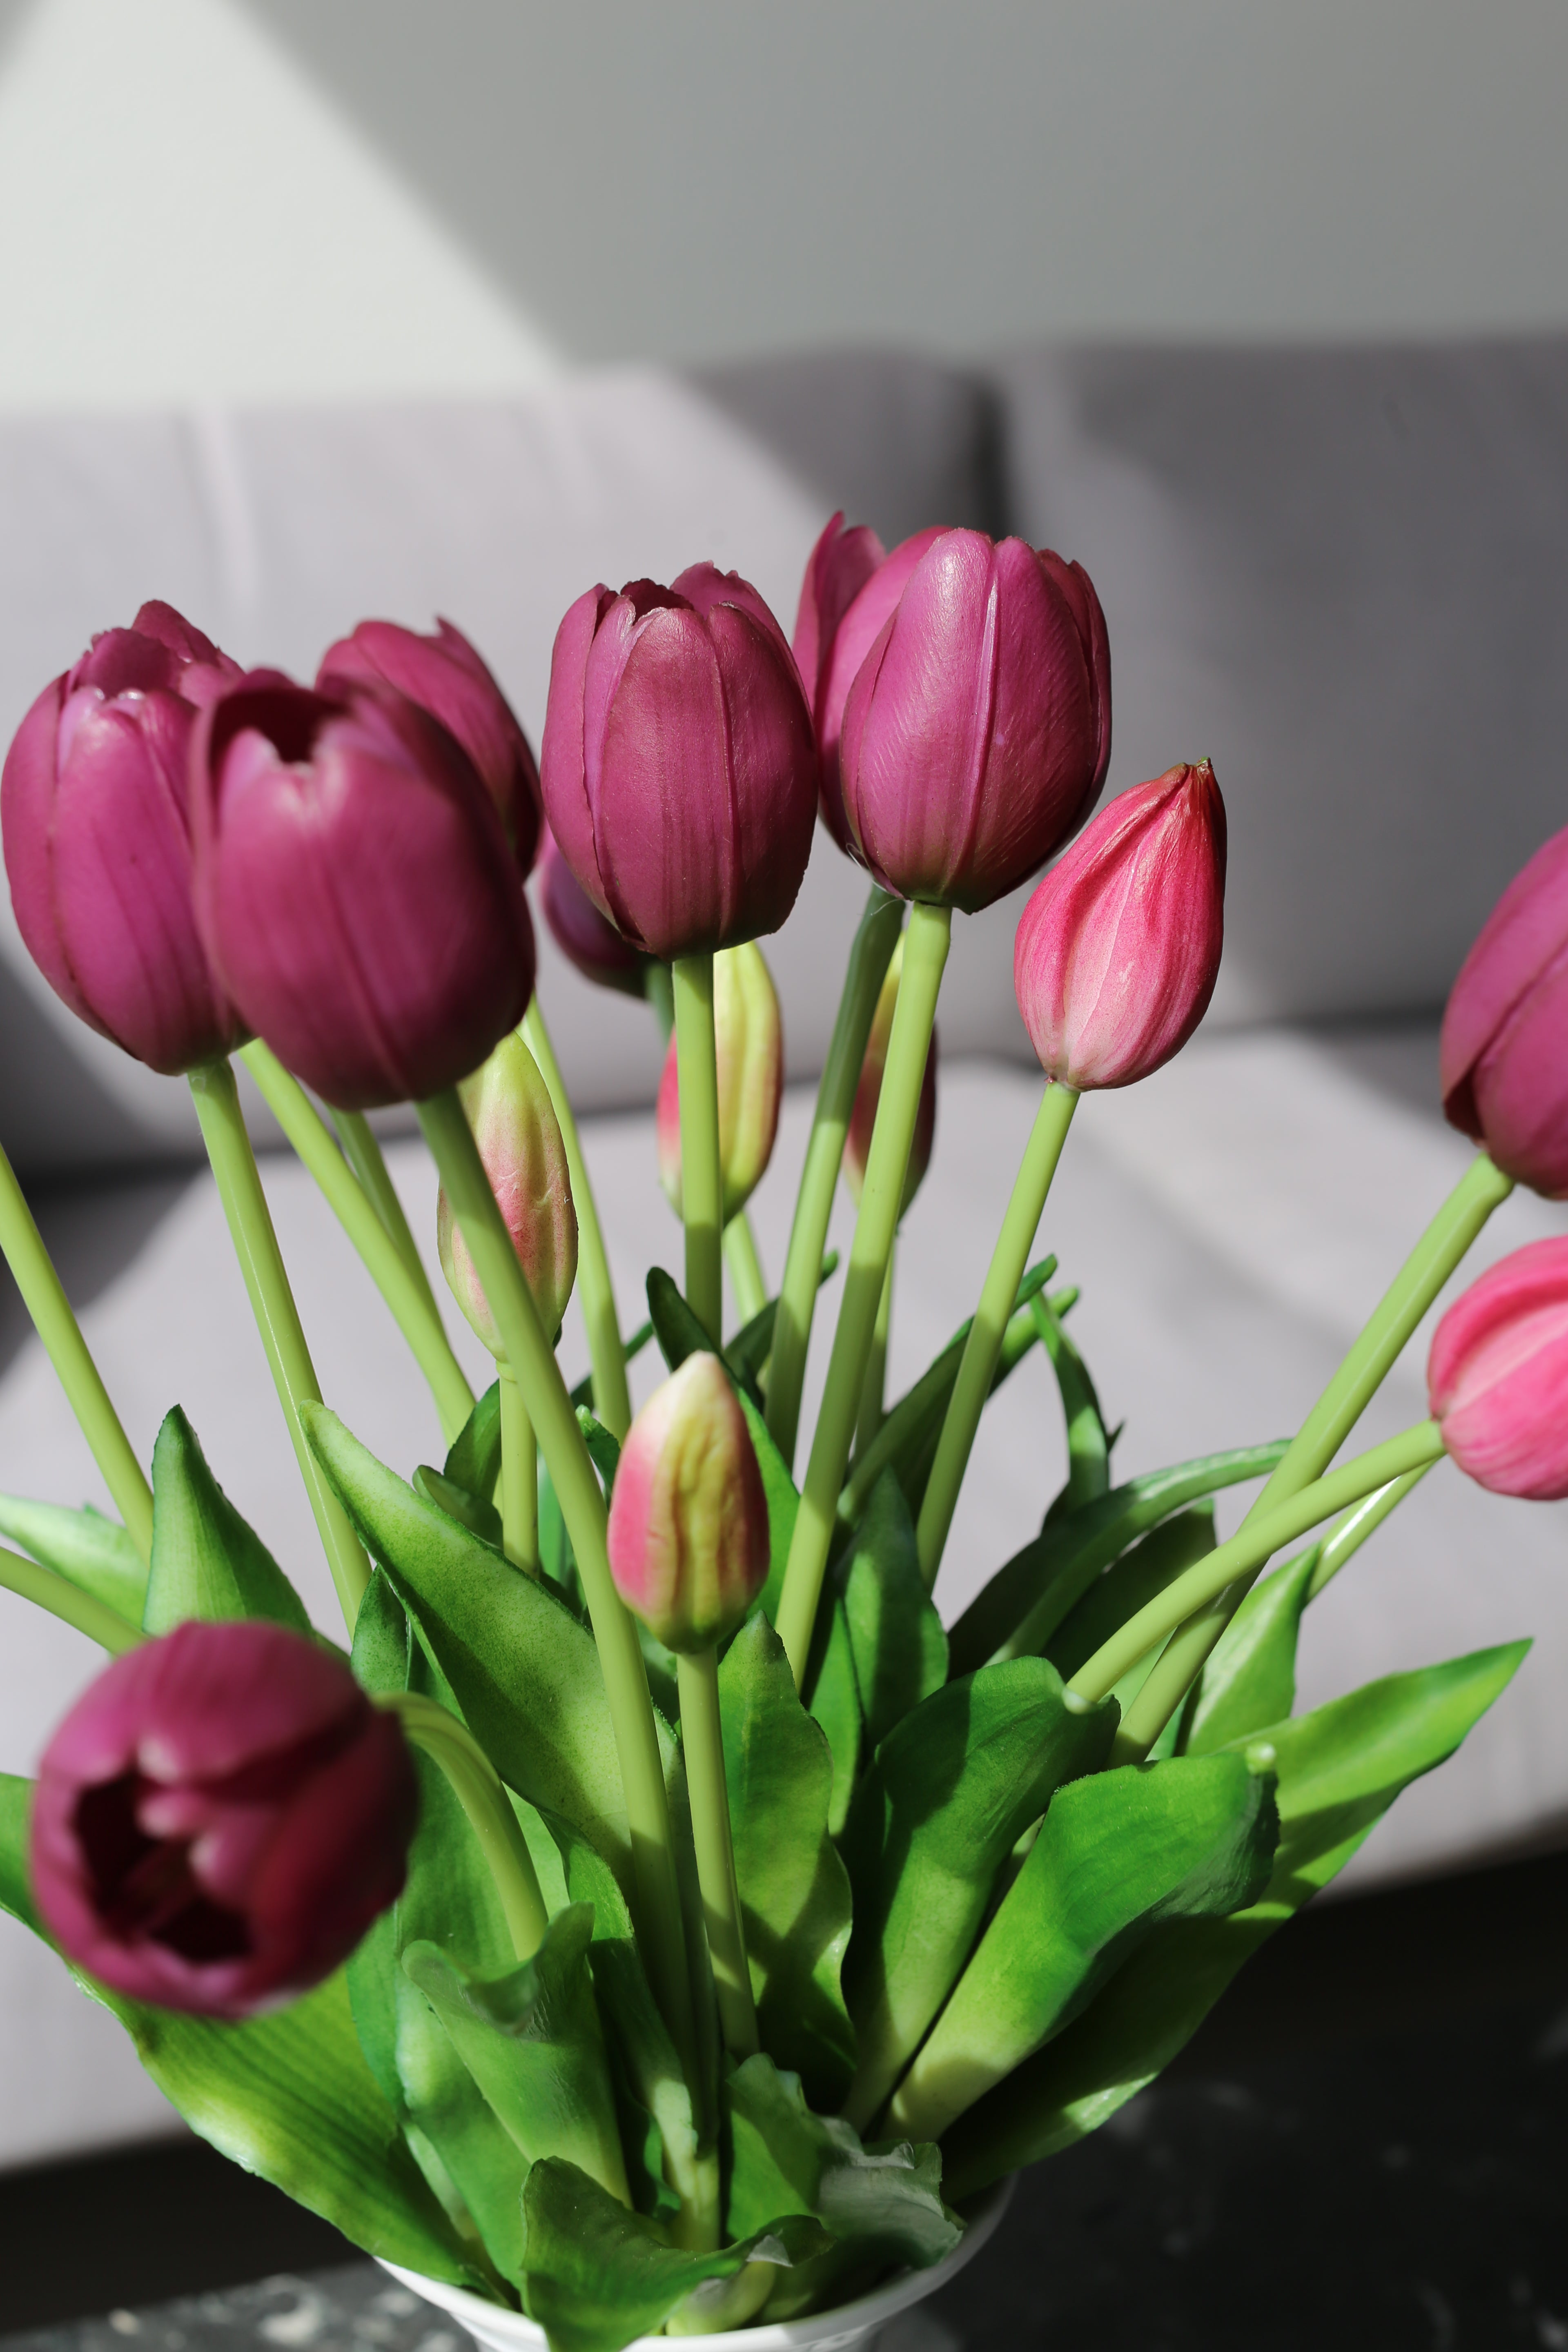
(98, 840)
(520, 1141)
(747, 1037)
(444, 676)
(869, 1094)
(1118, 950)
(219, 1819)
(585, 936)
(688, 1519)
(356, 888)
(679, 767)
(1503, 1069)
(965, 697)
(1498, 1375)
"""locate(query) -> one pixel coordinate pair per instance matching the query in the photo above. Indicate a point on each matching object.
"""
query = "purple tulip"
(679, 767)
(688, 1519)
(219, 1819)
(444, 676)
(1502, 1067)
(969, 683)
(356, 889)
(98, 840)
(585, 936)
(1498, 1375)
(1118, 950)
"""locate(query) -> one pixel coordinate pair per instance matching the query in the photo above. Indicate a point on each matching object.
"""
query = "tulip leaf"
(1175, 1545)
(600, 2275)
(1018, 1611)
(679, 1333)
(834, 1702)
(93, 1553)
(530, 2037)
(748, 1351)
(1250, 1678)
(525, 1667)
(1089, 1440)
(474, 1512)
(953, 1787)
(794, 1895)
(16, 1887)
(473, 1458)
(1337, 1771)
(604, 1448)
(896, 1637)
(207, 1562)
(556, 1557)
(1118, 1854)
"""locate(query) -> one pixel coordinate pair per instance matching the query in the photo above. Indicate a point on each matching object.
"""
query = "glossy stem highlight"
(595, 1291)
(702, 1744)
(873, 1387)
(48, 1589)
(519, 1476)
(702, 1181)
(477, 1786)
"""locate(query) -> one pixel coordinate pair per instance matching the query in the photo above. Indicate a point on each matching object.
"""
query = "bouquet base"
(845, 2329)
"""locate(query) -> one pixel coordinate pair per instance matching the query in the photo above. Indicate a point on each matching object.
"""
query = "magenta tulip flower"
(1118, 950)
(678, 766)
(688, 1518)
(219, 1819)
(585, 936)
(98, 840)
(1502, 1064)
(1498, 1375)
(356, 889)
(444, 676)
(968, 690)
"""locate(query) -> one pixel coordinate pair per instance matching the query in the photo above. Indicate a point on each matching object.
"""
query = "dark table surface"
(1365, 2149)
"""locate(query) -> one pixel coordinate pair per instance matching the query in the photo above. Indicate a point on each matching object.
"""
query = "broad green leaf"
(525, 1667)
(680, 1334)
(95, 1553)
(473, 1459)
(15, 1888)
(1089, 1441)
(604, 1448)
(1176, 1545)
(895, 1638)
(475, 1512)
(600, 2275)
(834, 1703)
(795, 1895)
(1334, 1780)
(530, 2037)
(1117, 1853)
(1250, 1678)
(953, 1787)
(556, 1557)
(1017, 1614)
(885, 2200)
(207, 1563)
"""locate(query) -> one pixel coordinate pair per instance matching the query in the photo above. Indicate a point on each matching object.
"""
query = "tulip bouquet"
(656, 1916)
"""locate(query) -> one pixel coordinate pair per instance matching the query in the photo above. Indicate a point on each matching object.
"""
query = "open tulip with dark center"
(219, 1819)
(1503, 1067)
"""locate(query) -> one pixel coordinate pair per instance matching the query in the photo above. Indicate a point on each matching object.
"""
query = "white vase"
(845, 2329)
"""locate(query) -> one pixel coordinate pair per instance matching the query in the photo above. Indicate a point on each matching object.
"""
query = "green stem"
(873, 1387)
(364, 1155)
(595, 1292)
(413, 1307)
(1248, 1548)
(1008, 1260)
(747, 1279)
(518, 1475)
(1348, 1536)
(47, 1589)
(277, 1317)
(660, 1932)
(925, 955)
(868, 961)
(701, 1181)
(659, 988)
(43, 1295)
(477, 1786)
(702, 1744)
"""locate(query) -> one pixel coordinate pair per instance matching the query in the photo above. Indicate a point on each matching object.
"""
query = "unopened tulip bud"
(97, 841)
(1502, 1064)
(689, 1520)
(356, 891)
(1118, 950)
(678, 762)
(1498, 1375)
(447, 677)
(219, 1819)
(520, 1141)
(962, 711)
(585, 936)
(868, 1092)
(748, 1037)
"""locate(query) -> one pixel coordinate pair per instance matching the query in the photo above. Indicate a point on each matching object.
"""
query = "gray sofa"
(1341, 574)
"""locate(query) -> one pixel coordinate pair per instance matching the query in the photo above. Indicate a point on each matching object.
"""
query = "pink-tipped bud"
(1498, 1375)
(520, 1141)
(688, 1521)
(748, 1034)
(1502, 1067)
(585, 936)
(1118, 950)
(869, 1094)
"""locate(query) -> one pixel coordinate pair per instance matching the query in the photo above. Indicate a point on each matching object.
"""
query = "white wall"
(298, 198)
